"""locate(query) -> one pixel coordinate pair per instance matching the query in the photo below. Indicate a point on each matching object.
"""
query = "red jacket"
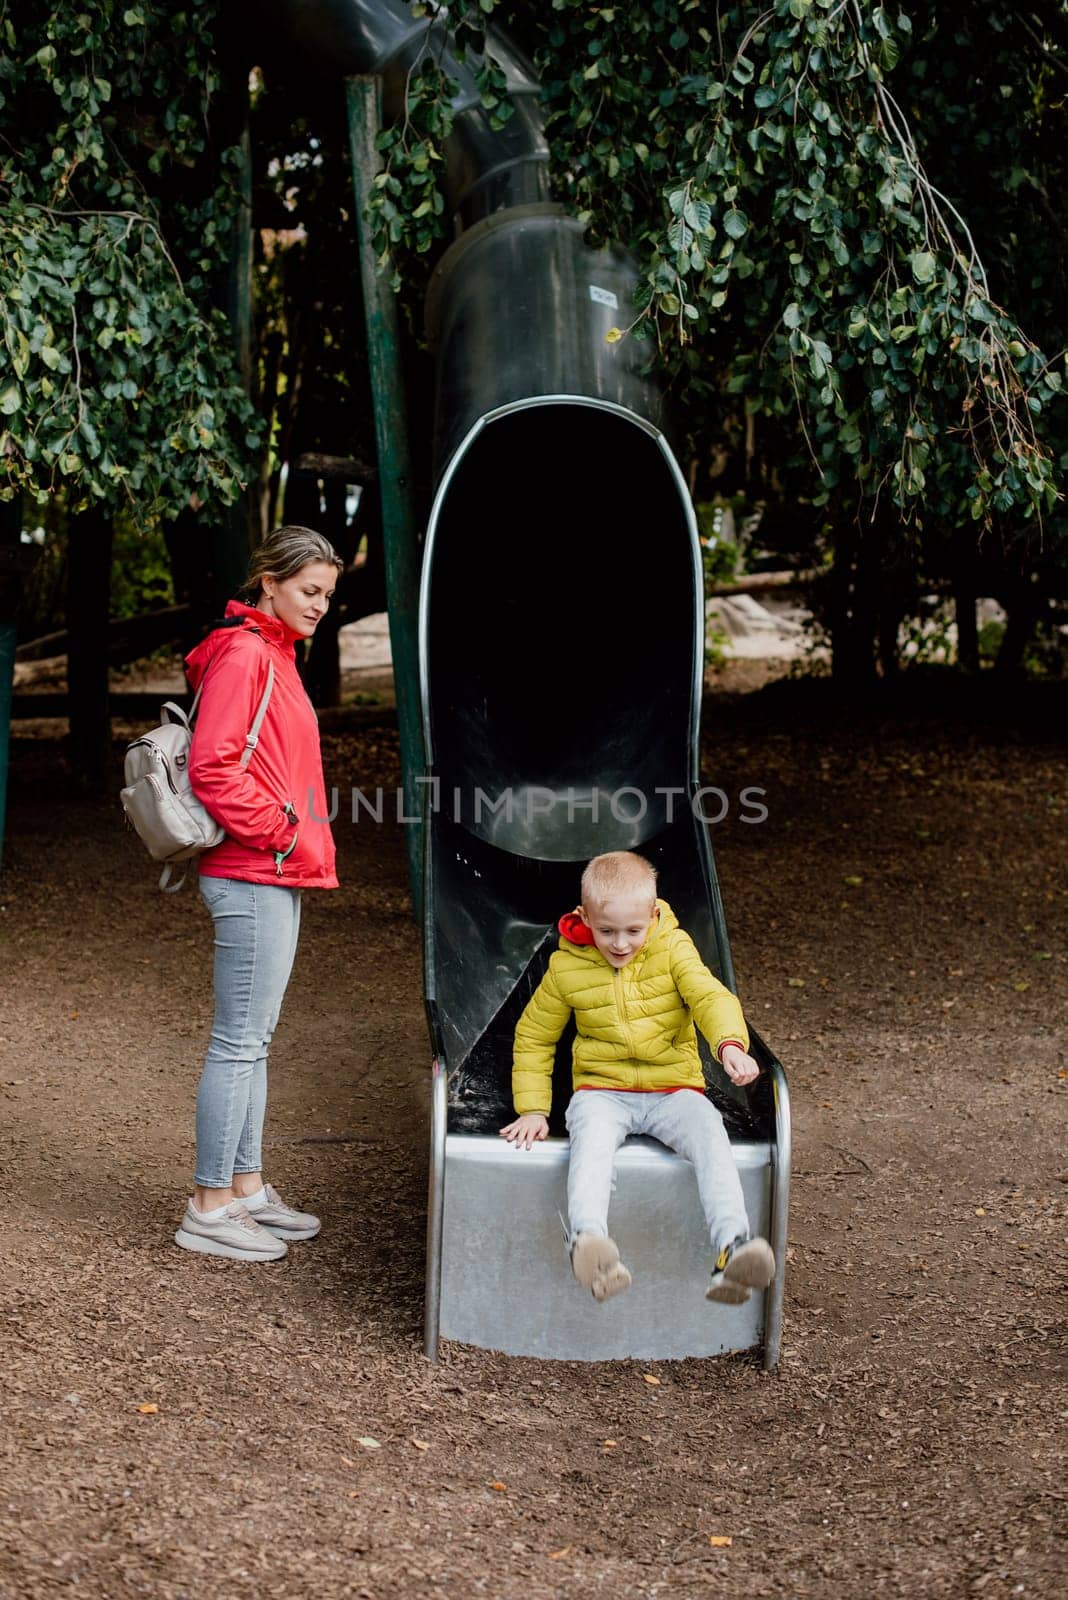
(286, 767)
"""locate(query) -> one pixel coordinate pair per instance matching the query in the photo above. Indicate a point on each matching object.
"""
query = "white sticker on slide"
(604, 297)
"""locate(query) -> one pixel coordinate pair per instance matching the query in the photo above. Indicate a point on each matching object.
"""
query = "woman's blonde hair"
(617, 873)
(284, 552)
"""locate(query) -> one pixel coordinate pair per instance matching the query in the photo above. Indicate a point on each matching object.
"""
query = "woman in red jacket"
(276, 846)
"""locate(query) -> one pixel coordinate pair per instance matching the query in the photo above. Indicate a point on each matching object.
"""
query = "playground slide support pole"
(780, 1213)
(363, 97)
(435, 1211)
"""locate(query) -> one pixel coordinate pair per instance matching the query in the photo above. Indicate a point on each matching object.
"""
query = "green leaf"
(923, 265)
(735, 224)
(10, 400)
(698, 213)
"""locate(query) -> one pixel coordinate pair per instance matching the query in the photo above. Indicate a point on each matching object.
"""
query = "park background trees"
(852, 281)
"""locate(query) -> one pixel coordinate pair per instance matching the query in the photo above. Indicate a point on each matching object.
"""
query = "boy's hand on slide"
(739, 1067)
(526, 1130)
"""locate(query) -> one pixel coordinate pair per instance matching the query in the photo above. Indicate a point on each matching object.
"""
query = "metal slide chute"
(561, 647)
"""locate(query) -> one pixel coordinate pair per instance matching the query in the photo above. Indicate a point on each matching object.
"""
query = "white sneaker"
(283, 1221)
(235, 1234)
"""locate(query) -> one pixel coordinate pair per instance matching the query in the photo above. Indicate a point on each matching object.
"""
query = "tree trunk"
(88, 598)
(967, 628)
(852, 616)
(322, 673)
(891, 615)
(1019, 629)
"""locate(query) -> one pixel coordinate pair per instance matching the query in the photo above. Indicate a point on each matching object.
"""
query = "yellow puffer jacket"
(635, 1023)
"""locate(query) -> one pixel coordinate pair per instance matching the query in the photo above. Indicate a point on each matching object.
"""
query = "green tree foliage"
(846, 224)
(760, 163)
(407, 207)
(986, 87)
(119, 384)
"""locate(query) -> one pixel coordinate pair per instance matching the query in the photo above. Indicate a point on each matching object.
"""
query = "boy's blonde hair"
(619, 872)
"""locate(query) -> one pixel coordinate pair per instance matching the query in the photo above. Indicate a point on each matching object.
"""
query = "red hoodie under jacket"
(286, 766)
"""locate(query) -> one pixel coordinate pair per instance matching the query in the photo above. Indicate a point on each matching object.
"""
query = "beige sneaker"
(282, 1220)
(741, 1266)
(235, 1235)
(596, 1264)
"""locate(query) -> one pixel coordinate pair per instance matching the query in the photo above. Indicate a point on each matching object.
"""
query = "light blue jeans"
(598, 1121)
(256, 928)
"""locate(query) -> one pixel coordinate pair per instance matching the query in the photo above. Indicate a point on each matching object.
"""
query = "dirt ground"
(181, 1427)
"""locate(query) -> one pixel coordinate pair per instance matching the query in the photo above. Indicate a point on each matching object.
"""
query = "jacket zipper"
(617, 979)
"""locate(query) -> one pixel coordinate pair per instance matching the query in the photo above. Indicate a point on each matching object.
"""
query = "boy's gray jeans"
(598, 1121)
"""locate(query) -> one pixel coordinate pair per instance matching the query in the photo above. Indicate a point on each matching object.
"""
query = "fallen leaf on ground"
(148, 1409)
(347, 1462)
(1021, 988)
(854, 882)
(421, 1444)
(720, 1541)
(558, 1555)
(795, 983)
(500, 1487)
(980, 1211)
(369, 1443)
(610, 1444)
(650, 1379)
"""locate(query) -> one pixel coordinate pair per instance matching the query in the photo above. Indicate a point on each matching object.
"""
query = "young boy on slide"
(636, 985)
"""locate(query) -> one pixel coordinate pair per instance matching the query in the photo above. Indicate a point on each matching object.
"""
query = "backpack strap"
(252, 738)
(172, 712)
(165, 880)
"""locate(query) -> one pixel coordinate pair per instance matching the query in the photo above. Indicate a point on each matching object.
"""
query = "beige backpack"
(158, 799)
